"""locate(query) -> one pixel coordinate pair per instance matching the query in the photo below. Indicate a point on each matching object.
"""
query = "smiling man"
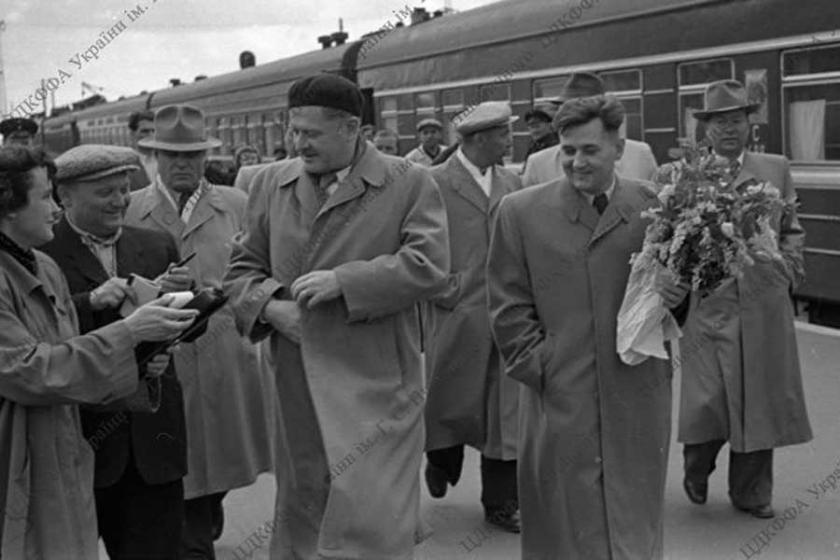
(340, 245)
(229, 406)
(593, 432)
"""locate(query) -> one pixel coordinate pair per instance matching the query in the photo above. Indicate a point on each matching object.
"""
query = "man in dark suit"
(140, 446)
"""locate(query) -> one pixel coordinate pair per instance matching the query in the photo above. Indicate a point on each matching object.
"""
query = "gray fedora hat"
(180, 128)
(724, 96)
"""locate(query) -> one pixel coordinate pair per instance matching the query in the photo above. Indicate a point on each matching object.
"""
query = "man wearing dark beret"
(18, 132)
(339, 247)
(138, 485)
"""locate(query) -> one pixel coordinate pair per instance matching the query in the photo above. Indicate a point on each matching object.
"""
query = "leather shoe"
(761, 512)
(697, 492)
(436, 481)
(503, 519)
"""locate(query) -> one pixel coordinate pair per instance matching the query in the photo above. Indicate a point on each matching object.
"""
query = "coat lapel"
(576, 207)
(747, 171)
(161, 210)
(371, 169)
(129, 255)
(83, 259)
(465, 185)
(619, 210)
(499, 187)
(204, 209)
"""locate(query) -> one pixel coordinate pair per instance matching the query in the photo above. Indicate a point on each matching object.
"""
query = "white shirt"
(105, 250)
(340, 175)
(484, 180)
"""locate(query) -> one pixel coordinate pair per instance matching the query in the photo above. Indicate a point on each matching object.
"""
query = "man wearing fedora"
(18, 131)
(340, 245)
(469, 401)
(743, 383)
(229, 396)
(430, 133)
(637, 161)
(138, 477)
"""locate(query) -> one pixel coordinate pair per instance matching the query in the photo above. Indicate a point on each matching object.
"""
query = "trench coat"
(46, 370)
(637, 162)
(741, 378)
(228, 394)
(594, 432)
(469, 401)
(351, 395)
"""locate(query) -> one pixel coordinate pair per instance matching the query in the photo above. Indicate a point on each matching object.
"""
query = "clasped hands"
(309, 290)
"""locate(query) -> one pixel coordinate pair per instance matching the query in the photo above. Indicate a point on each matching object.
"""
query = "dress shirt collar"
(609, 192)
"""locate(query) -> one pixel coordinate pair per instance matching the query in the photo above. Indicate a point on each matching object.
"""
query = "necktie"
(322, 185)
(183, 198)
(600, 202)
(735, 168)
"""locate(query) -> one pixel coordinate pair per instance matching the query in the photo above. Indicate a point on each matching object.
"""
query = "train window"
(388, 112)
(424, 103)
(626, 81)
(548, 89)
(704, 72)
(453, 103)
(811, 95)
(693, 78)
(494, 92)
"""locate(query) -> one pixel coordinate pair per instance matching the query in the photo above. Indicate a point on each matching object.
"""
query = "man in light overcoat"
(230, 408)
(593, 432)
(741, 379)
(469, 401)
(340, 245)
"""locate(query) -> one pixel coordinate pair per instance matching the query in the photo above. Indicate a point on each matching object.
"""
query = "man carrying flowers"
(741, 378)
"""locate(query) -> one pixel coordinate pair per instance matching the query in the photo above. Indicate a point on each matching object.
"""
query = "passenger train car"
(656, 55)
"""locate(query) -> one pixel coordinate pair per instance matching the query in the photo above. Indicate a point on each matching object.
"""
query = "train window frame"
(629, 95)
(562, 78)
(425, 111)
(793, 82)
(694, 89)
(450, 110)
(389, 117)
(506, 85)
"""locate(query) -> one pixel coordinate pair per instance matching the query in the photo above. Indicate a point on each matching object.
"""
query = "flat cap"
(16, 124)
(489, 114)
(90, 162)
(429, 122)
(327, 90)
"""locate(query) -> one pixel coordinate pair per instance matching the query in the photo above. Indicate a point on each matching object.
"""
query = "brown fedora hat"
(724, 96)
(179, 128)
(580, 84)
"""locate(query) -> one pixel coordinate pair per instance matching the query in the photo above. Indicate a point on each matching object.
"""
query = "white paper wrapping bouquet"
(644, 324)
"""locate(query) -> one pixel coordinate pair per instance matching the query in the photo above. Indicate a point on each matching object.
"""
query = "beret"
(16, 124)
(489, 114)
(429, 122)
(90, 162)
(327, 90)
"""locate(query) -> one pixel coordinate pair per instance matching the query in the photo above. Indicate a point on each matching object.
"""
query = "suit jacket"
(245, 175)
(469, 401)
(156, 440)
(637, 162)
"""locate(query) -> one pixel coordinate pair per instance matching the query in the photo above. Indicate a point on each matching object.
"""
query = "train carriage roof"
(121, 108)
(260, 86)
(514, 36)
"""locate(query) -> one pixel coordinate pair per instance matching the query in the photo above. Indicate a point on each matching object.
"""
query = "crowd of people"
(380, 308)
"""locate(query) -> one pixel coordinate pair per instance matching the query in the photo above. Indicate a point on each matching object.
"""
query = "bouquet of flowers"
(706, 231)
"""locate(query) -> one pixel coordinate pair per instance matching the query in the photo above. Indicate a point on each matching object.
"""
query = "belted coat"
(469, 401)
(229, 395)
(594, 432)
(46, 370)
(351, 394)
(741, 379)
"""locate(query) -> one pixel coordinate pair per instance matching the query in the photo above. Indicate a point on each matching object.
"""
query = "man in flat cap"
(340, 245)
(138, 477)
(743, 384)
(636, 162)
(593, 431)
(18, 131)
(470, 402)
(540, 127)
(228, 394)
(430, 133)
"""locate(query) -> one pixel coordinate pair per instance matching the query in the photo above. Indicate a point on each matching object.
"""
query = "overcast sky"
(172, 39)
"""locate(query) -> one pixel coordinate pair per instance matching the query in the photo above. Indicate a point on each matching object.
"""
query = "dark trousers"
(139, 521)
(498, 478)
(202, 521)
(750, 474)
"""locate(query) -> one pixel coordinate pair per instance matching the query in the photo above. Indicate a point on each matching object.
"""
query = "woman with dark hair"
(47, 369)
